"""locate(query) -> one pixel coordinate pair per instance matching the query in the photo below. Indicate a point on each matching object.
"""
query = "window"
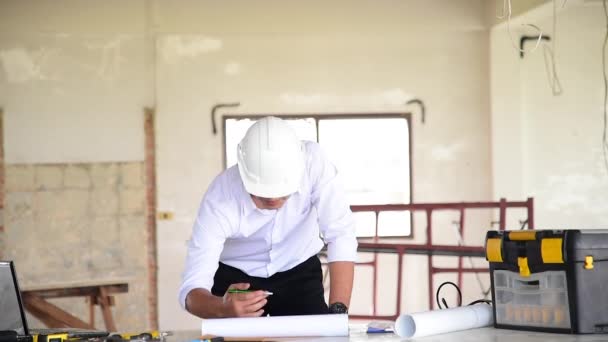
(371, 153)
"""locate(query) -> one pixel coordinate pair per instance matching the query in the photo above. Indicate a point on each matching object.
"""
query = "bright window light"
(372, 155)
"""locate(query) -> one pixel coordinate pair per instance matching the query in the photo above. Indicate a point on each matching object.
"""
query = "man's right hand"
(247, 304)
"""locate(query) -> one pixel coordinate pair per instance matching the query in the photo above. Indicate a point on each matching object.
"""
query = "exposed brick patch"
(150, 183)
(75, 231)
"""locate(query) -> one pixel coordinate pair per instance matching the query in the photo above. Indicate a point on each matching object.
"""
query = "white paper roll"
(443, 321)
(279, 326)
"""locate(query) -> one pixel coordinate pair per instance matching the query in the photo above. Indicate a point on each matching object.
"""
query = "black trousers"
(298, 291)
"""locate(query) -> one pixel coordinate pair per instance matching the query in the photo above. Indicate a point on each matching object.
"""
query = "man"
(260, 227)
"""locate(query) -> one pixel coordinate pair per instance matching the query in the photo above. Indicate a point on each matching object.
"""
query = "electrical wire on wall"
(604, 141)
(506, 7)
(549, 55)
(550, 62)
(548, 50)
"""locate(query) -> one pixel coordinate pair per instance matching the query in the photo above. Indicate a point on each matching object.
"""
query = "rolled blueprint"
(279, 326)
(443, 321)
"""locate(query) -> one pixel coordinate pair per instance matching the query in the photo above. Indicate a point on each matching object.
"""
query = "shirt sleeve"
(204, 248)
(336, 221)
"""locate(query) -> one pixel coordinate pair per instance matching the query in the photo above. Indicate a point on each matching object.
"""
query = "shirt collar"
(249, 205)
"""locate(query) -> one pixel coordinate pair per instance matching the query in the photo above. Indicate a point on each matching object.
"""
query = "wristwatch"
(338, 308)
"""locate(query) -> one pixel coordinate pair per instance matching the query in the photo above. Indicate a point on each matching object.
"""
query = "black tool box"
(549, 280)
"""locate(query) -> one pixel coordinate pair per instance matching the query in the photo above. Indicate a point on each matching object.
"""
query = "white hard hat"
(270, 159)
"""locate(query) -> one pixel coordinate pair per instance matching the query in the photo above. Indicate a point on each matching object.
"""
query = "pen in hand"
(268, 293)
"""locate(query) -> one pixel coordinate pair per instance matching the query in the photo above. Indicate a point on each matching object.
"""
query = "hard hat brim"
(275, 190)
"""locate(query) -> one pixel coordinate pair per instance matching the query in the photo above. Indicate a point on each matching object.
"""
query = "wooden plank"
(75, 284)
(89, 290)
(105, 303)
(37, 305)
(91, 301)
(44, 317)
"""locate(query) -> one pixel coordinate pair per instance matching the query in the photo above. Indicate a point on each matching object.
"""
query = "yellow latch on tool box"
(494, 250)
(524, 269)
(589, 262)
(522, 235)
(551, 250)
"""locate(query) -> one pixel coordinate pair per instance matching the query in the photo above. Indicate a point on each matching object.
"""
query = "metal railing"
(403, 246)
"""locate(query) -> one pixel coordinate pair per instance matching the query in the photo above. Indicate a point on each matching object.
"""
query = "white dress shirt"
(261, 242)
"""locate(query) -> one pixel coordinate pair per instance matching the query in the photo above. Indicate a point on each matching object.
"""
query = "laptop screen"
(11, 317)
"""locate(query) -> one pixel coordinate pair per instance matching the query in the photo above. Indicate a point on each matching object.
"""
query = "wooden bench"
(95, 292)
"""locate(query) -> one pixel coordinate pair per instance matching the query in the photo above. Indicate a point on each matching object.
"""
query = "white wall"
(322, 57)
(69, 72)
(272, 56)
(546, 146)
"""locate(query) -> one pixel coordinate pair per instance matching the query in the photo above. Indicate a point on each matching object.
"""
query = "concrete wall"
(74, 77)
(549, 146)
(75, 223)
(69, 72)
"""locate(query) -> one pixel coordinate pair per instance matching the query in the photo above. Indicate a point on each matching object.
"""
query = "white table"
(357, 333)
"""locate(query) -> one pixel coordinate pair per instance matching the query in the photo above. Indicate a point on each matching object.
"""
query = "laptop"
(13, 319)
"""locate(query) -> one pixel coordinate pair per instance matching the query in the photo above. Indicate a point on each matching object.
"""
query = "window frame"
(337, 116)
